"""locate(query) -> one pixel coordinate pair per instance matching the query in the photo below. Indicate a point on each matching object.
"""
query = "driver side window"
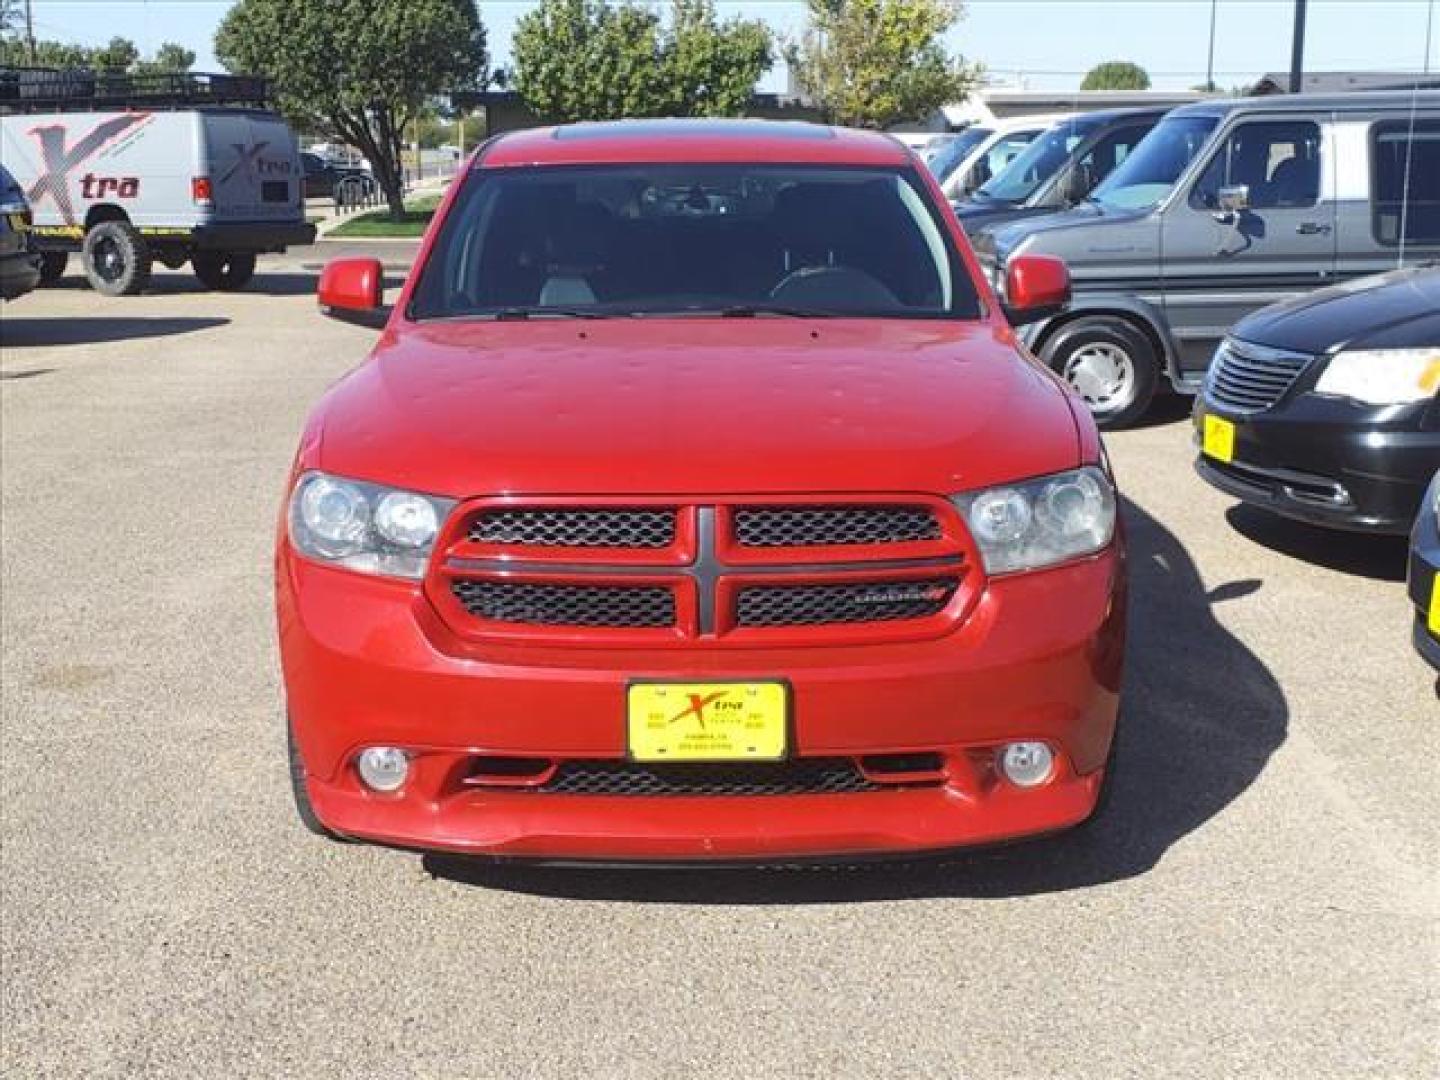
(1278, 161)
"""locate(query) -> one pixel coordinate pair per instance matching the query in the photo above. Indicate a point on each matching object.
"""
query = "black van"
(1224, 207)
(1059, 168)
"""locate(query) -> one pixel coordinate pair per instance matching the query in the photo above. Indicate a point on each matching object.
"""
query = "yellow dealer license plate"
(736, 721)
(1218, 440)
(19, 222)
(1435, 606)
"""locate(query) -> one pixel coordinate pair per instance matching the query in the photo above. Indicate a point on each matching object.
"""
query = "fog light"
(1026, 764)
(383, 768)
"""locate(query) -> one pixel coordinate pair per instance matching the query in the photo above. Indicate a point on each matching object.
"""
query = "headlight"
(1382, 376)
(365, 527)
(1041, 522)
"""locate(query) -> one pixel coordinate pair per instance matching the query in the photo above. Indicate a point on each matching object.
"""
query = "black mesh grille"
(558, 527)
(805, 776)
(1247, 378)
(859, 602)
(568, 605)
(816, 526)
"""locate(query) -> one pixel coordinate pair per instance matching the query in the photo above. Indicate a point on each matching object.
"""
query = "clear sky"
(1051, 42)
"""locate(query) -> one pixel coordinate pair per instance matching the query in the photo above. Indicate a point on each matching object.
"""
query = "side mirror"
(1233, 199)
(1036, 287)
(1079, 183)
(353, 290)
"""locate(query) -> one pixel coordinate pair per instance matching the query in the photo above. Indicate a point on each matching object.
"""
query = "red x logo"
(697, 706)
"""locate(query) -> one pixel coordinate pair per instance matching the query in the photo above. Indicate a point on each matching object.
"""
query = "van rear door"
(1218, 266)
(254, 167)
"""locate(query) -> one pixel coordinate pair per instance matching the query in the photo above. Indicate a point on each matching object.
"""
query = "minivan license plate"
(733, 721)
(1218, 439)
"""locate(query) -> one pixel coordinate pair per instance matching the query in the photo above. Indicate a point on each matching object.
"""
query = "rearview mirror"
(353, 290)
(1233, 199)
(1036, 287)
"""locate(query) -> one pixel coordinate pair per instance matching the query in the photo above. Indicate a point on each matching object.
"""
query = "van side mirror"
(353, 290)
(1233, 199)
(1036, 287)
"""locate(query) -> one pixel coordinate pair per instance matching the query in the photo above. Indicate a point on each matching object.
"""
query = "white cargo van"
(136, 169)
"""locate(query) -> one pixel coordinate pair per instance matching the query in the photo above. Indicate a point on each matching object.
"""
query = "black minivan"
(1327, 408)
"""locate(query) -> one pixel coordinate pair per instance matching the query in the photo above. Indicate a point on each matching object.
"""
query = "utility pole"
(30, 31)
(1297, 48)
(1210, 63)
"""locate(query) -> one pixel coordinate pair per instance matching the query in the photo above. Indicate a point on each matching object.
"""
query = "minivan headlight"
(1039, 523)
(365, 527)
(1382, 376)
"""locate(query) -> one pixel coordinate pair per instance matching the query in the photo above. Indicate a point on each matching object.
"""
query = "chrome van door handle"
(1312, 228)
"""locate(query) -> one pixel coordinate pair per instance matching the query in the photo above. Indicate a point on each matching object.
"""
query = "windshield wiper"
(751, 311)
(517, 314)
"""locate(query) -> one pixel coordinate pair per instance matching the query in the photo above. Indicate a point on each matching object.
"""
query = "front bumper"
(257, 236)
(1329, 462)
(1424, 583)
(367, 662)
(19, 274)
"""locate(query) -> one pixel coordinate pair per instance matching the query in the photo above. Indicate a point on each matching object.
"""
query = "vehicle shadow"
(20, 332)
(1201, 717)
(1381, 558)
(264, 283)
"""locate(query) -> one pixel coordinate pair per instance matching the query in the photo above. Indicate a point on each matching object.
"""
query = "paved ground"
(1262, 901)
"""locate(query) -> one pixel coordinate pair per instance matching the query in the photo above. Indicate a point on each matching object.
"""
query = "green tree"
(169, 59)
(590, 60)
(1116, 75)
(870, 63)
(120, 55)
(361, 68)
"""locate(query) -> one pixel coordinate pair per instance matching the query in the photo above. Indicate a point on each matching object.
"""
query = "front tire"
(224, 271)
(303, 808)
(117, 259)
(1110, 363)
(52, 266)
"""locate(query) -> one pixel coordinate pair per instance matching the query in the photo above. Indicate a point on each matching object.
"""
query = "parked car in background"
(984, 150)
(698, 504)
(19, 261)
(1424, 575)
(1327, 408)
(130, 170)
(1059, 168)
(322, 176)
(1227, 206)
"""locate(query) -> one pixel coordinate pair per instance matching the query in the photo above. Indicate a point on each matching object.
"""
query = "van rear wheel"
(1110, 363)
(117, 259)
(52, 266)
(224, 270)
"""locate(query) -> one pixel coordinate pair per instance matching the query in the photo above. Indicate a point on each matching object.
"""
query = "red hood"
(695, 406)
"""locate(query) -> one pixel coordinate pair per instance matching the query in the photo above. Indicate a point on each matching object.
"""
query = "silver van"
(132, 170)
(1224, 207)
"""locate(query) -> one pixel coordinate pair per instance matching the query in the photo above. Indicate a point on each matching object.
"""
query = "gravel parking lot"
(1260, 901)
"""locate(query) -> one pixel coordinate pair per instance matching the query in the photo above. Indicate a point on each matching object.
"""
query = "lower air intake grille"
(860, 602)
(812, 776)
(568, 605)
(816, 526)
(1249, 378)
(625, 527)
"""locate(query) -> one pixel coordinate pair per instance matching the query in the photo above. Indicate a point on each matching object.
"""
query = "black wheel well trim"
(102, 212)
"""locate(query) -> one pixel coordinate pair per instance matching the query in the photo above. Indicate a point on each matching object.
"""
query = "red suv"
(698, 503)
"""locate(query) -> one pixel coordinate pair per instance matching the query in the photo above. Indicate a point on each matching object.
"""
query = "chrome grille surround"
(1245, 378)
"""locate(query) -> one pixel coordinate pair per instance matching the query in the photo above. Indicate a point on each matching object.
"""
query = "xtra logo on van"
(60, 161)
(252, 160)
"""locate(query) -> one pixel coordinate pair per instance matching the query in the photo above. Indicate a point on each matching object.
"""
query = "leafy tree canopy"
(363, 68)
(870, 63)
(589, 60)
(1116, 75)
(121, 54)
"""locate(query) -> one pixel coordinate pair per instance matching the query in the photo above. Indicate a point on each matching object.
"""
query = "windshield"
(948, 157)
(1144, 178)
(1037, 163)
(614, 240)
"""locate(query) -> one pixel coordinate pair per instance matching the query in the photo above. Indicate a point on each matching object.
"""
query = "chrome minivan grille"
(1248, 378)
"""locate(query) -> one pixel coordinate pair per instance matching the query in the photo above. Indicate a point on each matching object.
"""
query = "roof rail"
(31, 90)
